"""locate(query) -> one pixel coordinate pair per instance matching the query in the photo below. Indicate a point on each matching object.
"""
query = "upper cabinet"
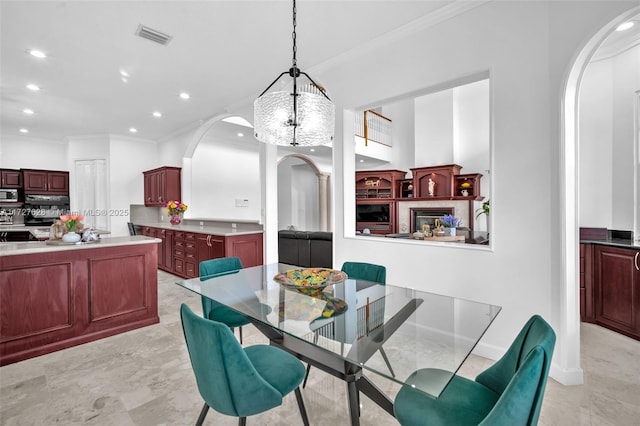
(45, 182)
(10, 179)
(378, 183)
(161, 185)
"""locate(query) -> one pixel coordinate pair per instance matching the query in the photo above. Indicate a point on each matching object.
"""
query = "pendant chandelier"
(302, 116)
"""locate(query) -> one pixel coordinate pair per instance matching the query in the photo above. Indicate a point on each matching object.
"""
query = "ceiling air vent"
(153, 35)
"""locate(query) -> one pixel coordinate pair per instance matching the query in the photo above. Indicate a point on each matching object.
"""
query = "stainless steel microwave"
(8, 195)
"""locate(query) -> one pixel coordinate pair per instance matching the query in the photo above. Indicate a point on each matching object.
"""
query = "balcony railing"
(373, 127)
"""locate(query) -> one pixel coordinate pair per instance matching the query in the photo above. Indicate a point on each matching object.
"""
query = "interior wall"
(128, 158)
(402, 114)
(529, 48)
(33, 153)
(434, 129)
(471, 131)
(298, 195)
(223, 172)
(596, 132)
(606, 126)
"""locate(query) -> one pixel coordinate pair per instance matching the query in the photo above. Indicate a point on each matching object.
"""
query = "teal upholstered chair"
(216, 311)
(367, 272)
(509, 392)
(238, 381)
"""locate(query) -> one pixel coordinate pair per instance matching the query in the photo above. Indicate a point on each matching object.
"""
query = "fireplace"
(427, 215)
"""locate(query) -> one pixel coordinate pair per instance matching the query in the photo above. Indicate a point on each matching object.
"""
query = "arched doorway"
(570, 304)
(303, 194)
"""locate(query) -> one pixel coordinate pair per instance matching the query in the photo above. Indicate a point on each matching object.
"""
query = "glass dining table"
(356, 328)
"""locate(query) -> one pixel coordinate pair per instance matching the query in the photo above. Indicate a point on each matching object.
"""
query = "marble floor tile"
(144, 378)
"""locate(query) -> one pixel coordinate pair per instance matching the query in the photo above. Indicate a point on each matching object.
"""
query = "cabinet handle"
(635, 260)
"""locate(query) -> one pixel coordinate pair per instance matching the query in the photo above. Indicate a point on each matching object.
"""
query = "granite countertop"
(223, 231)
(31, 247)
(615, 242)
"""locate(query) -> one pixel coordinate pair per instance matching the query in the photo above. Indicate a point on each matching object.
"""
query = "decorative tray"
(309, 280)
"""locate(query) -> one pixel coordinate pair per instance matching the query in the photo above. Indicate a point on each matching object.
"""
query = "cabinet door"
(247, 247)
(168, 251)
(58, 183)
(11, 179)
(160, 233)
(35, 181)
(617, 285)
(161, 185)
(147, 190)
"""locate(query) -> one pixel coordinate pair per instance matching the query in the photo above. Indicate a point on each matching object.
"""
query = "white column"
(323, 202)
(269, 210)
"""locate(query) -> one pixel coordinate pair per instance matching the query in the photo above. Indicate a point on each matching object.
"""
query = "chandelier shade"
(273, 115)
(302, 116)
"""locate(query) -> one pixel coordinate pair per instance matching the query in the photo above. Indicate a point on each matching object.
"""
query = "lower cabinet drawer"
(178, 265)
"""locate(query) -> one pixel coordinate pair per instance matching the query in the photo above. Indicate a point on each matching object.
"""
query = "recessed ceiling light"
(625, 26)
(184, 95)
(124, 73)
(33, 87)
(312, 150)
(362, 161)
(157, 114)
(124, 79)
(240, 134)
(133, 130)
(28, 111)
(37, 53)
(23, 130)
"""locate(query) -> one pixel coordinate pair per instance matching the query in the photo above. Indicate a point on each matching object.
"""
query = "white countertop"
(223, 231)
(30, 247)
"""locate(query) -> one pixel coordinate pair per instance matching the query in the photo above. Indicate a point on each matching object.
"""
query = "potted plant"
(450, 222)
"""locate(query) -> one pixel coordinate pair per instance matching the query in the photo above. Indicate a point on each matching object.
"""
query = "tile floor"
(143, 377)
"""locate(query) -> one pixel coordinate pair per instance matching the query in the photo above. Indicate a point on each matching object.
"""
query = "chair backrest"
(365, 271)
(522, 371)
(213, 267)
(226, 378)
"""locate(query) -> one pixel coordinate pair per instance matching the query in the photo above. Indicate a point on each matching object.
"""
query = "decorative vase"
(71, 237)
(175, 219)
(449, 232)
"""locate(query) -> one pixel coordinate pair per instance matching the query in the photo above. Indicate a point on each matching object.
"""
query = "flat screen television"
(372, 213)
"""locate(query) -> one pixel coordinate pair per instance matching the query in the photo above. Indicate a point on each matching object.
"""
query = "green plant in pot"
(484, 209)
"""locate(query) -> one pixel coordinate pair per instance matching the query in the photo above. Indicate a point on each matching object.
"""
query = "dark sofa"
(306, 248)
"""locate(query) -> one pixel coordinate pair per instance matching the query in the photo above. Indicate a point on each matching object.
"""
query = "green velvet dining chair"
(509, 392)
(238, 381)
(367, 272)
(216, 311)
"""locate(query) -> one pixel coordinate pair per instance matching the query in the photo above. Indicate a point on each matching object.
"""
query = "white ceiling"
(222, 53)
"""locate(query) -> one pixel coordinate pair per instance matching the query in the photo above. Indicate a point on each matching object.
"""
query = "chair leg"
(306, 376)
(203, 414)
(386, 360)
(240, 328)
(242, 421)
(303, 411)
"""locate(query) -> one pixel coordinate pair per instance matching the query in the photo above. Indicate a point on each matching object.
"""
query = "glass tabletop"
(386, 329)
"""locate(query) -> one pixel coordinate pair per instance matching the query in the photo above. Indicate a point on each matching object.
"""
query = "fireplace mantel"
(461, 208)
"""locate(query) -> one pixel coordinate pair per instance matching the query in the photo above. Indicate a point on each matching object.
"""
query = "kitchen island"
(57, 296)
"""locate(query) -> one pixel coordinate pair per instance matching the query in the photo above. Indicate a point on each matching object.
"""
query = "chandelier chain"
(293, 35)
